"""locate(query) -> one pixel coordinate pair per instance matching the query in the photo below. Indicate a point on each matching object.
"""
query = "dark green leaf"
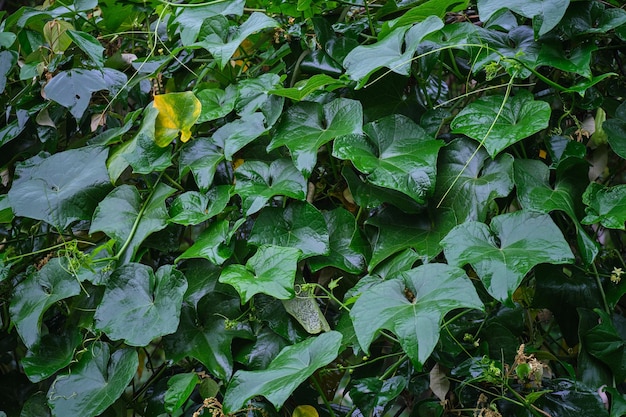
(299, 225)
(192, 207)
(616, 131)
(60, 196)
(179, 388)
(606, 344)
(52, 353)
(307, 126)
(412, 307)
(262, 351)
(395, 153)
(216, 103)
(497, 126)
(207, 332)
(545, 14)
(237, 134)
(89, 45)
(201, 157)
(576, 61)
(254, 94)
(7, 60)
(503, 253)
(468, 180)
(305, 87)
(257, 182)
(139, 305)
(117, 214)
(94, 383)
(605, 205)
(213, 244)
(36, 294)
(293, 365)
(371, 395)
(271, 271)
(584, 18)
(190, 19)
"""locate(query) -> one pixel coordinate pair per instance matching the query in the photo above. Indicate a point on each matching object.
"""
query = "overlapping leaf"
(201, 157)
(213, 244)
(139, 305)
(504, 252)
(545, 14)
(178, 112)
(396, 153)
(293, 365)
(307, 126)
(412, 307)
(193, 207)
(605, 205)
(497, 122)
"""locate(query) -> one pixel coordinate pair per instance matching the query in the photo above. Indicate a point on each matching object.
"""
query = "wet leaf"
(605, 205)
(179, 388)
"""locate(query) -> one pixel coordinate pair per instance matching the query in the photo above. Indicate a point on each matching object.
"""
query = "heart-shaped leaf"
(201, 157)
(605, 205)
(257, 182)
(605, 343)
(545, 14)
(496, 125)
(178, 112)
(94, 383)
(412, 307)
(347, 246)
(293, 365)
(59, 197)
(213, 243)
(190, 19)
(254, 95)
(299, 225)
(52, 353)
(468, 180)
(192, 207)
(72, 89)
(123, 216)
(216, 103)
(271, 271)
(139, 305)
(207, 332)
(36, 294)
(307, 126)
(584, 18)
(504, 252)
(179, 388)
(233, 136)
(396, 153)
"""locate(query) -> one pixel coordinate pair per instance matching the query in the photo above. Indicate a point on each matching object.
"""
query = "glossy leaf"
(396, 153)
(216, 103)
(89, 45)
(190, 19)
(585, 18)
(213, 244)
(53, 353)
(504, 252)
(305, 87)
(257, 182)
(468, 180)
(238, 133)
(271, 270)
(307, 126)
(412, 306)
(520, 117)
(139, 305)
(254, 95)
(178, 112)
(206, 333)
(192, 207)
(94, 382)
(616, 131)
(371, 395)
(223, 47)
(605, 205)
(123, 216)
(42, 191)
(201, 157)
(299, 225)
(545, 14)
(347, 246)
(179, 388)
(36, 294)
(605, 343)
(293, 365)
(394, 51)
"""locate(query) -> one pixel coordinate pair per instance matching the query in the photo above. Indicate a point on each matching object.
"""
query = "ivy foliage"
(313, 208)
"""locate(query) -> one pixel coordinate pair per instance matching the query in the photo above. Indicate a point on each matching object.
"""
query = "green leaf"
(192, 207)
(36, 294)
(423, 10)
(468, 181)
(201, 157)
(179, 388)
(604, 342)
(213, 244)
(372, 394)
(178, 112)
(216, 103)
(521, 116)
(347, 246)
(616, 131)
(396, 153)
(43, 191)
(238, 133)
(305, 87)
(299, 225)
(584, 18)
(223, 47)
(52, 353)
(395, 51)
(504, 252)
(307, 126)
(257, 182)
(89, 45)
(94, 382)
(190, 19)
(207, 332)
(412, 307)
(123, 216)
(7, 60)
(139, 305)
(306, 310)
(546, 14)
(271, 271)
(254, 95)
(293, 365)
(577, 60)
(605, 205)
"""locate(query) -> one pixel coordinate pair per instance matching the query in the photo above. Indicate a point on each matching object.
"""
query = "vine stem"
(507, 93)
(324, 399)
(601, 289)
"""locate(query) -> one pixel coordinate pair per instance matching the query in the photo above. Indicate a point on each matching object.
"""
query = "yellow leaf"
(305, 411)
(178, 112)
(54, 31)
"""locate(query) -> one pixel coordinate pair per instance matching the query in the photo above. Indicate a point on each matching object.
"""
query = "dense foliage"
(266, 207)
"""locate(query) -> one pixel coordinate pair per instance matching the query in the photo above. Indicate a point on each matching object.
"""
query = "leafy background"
(313, 208)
